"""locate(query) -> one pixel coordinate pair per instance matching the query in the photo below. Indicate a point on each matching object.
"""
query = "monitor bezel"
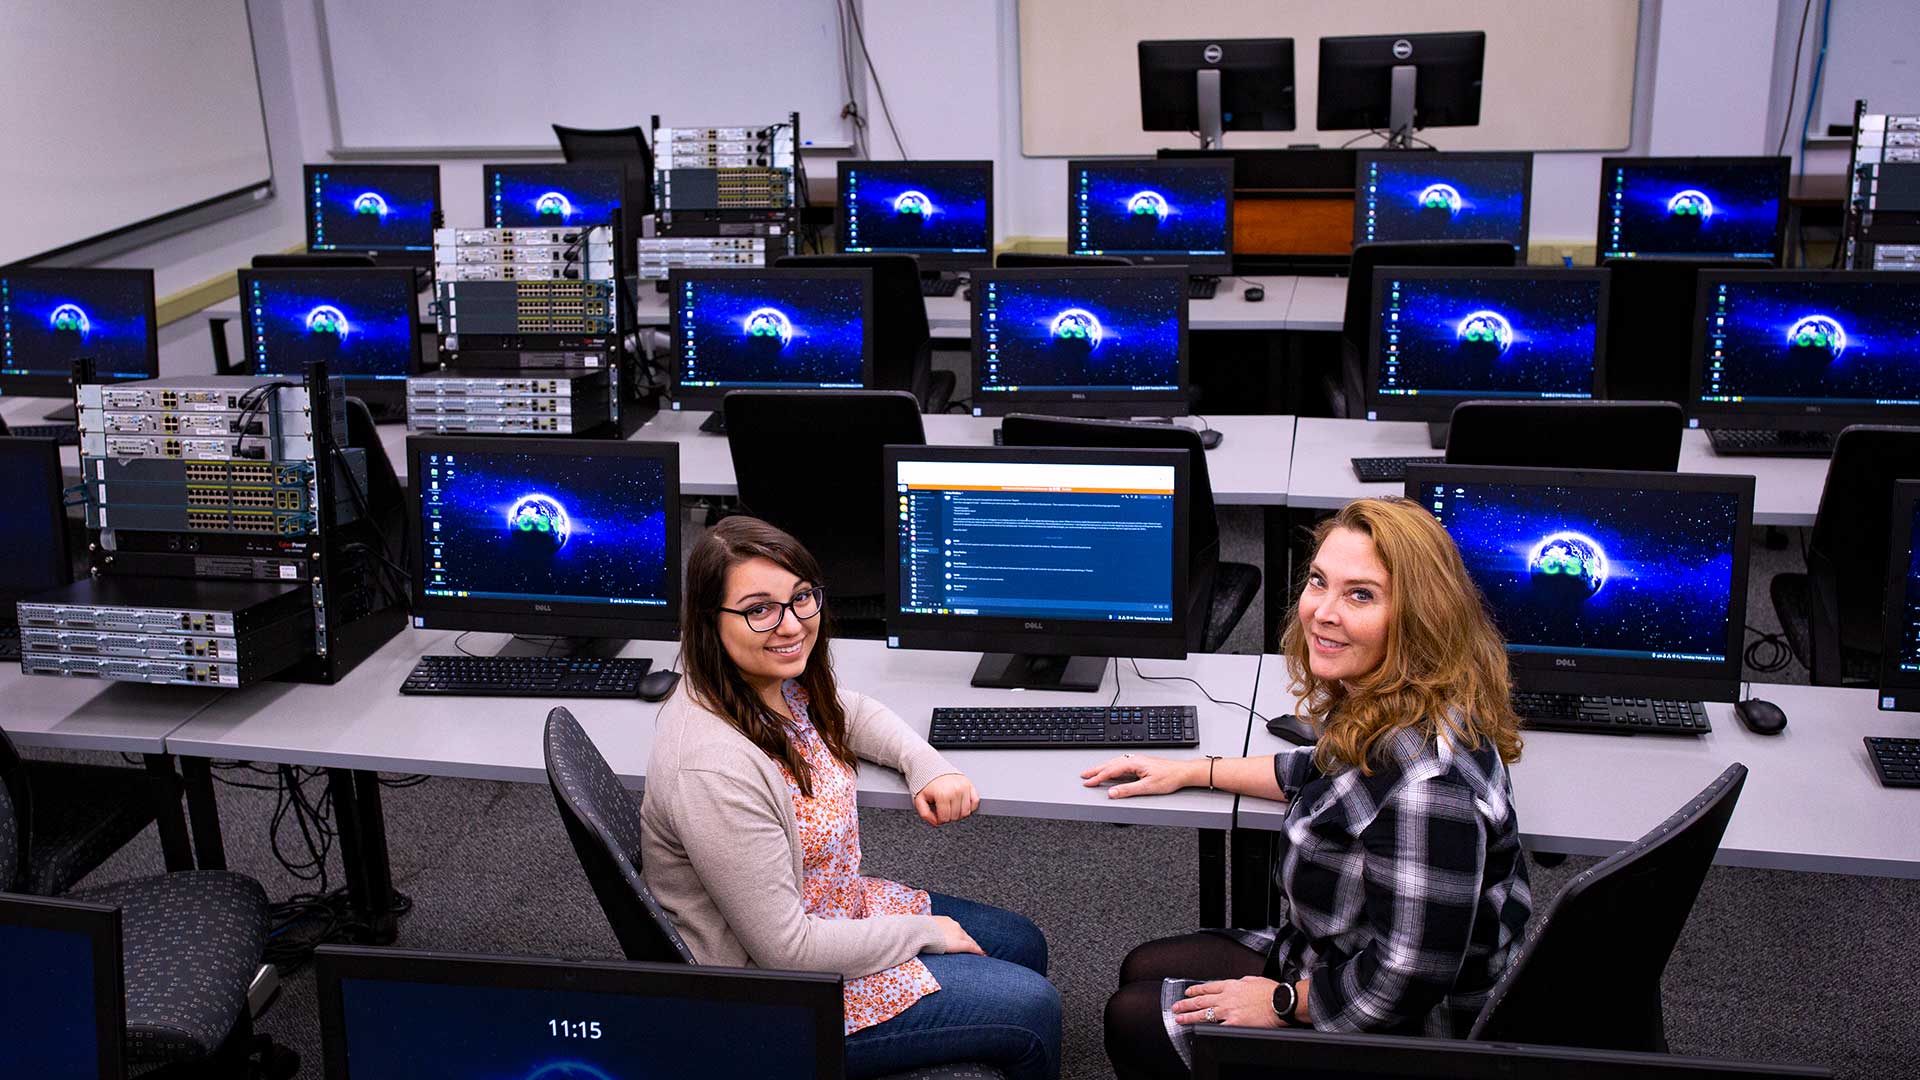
(617, 168)
(1342, 53)
(1039, 636)
(55, 479)
(1899, 691)
(1774, 415)
(818, 992)
(1782, 174)
(1195, 265)
(61, 386)
(386, 392)
(1438, 407)
(100, 925)
(709, 397)
(930, 260)
(1091, 403)
(1581, 674)
(1367, 157)
(562, 618)
(383, 256)
(1172, 54)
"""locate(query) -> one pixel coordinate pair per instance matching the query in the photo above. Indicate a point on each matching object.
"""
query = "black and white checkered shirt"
(1405, 891)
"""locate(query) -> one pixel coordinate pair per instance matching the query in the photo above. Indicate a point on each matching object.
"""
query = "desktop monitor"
(1405, 195)
(1805, 350)
(1098, 341)
(388, 1013)
(62, 1003)
(1252, 1054)
(1399, 83)
(51, 317)
(33, 532)
(364, 323)
(1153, 211)
(1443, 335)
(1215, 86)
(578, 537)
(1900, 643)
(1604, 579)
(1069, 555)
(1693, 207)
(550, 194)
(940, 212)
(777, 329)
(387, 211)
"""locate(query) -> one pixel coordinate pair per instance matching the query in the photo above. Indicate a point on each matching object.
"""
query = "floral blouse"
(832, 887)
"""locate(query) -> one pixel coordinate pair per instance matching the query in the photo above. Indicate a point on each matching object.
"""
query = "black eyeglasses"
(765, 616)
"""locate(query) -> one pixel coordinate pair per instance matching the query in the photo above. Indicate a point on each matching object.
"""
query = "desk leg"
(1252, 878)
(174, 848)
(204, 813)
(1213, 877)
(363, 851)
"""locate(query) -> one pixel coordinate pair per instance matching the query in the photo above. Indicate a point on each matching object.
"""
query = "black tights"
(1137, 1044)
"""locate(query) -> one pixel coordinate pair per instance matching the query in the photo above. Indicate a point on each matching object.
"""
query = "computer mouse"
(1292, 729)
(967, 294)
(1253, 294)
(655, 685)
(1210, 438)
(1761, 717)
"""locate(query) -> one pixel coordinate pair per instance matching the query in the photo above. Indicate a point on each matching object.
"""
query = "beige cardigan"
(721, 849)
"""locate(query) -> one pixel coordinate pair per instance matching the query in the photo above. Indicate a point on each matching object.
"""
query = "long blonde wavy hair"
(1445, 665)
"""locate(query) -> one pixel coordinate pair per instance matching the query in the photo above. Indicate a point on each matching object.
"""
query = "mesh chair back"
(1847, 553)
(902, 342)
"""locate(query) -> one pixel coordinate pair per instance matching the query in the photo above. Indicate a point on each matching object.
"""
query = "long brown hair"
(1445, 667)
(715, 682)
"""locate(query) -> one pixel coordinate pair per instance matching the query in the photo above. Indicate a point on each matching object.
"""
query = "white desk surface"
(364, 723)
(87, 714)
(1786, 491)
(1811, 801)
(1248, 468)
(1319, 304)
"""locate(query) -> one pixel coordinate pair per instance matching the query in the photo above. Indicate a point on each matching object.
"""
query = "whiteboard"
(1559, 73)
(1873, 52)
(117, 112)
(498, 74)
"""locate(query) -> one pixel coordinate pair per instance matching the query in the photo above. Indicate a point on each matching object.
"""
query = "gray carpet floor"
(1773, 966)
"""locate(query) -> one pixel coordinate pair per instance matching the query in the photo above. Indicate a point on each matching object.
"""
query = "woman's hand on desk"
(1151, 775)
(946, 798)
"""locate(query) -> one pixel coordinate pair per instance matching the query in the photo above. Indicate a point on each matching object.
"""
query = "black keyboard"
(9, 642)
(939, 286)
(1734, 442)
(1380, 470)
(1896, 760)
(63, 434)
(1611, 715)
(1202, 288)
(715, 423)
(527, 676)
(1070, 727)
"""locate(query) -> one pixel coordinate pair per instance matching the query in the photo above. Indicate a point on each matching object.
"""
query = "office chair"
(1650, 326)
(1641, 435)
(603, 822)
(808, 461)
(191, 942)
(1219, 593)
(1016, 260)
(1831, 614)
(902, 341)
(324, 260)
(1589, 971)
(627, 146)
(1350, 396)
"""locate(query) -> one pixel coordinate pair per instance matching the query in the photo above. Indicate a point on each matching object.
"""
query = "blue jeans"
(998, 1009)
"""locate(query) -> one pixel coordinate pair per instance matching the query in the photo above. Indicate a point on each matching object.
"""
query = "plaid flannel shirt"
(1405, 891)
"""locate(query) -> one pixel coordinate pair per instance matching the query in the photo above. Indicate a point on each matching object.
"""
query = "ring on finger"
(1211, 1019)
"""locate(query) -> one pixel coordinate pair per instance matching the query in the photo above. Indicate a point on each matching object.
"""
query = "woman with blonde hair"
(1402, 887)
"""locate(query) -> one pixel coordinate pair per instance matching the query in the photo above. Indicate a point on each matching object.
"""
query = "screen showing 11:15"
(573, 1029)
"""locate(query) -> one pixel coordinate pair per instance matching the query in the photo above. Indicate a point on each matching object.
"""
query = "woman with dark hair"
(751, 838)
(1399, 872)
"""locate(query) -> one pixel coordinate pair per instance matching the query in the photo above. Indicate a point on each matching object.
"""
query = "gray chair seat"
(190, 943)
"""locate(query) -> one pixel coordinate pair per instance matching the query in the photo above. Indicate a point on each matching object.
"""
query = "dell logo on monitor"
(1033, 626)
(1402, 49)
(1561, 661)
(543, 607)
(1077, 396)
(1212, 54)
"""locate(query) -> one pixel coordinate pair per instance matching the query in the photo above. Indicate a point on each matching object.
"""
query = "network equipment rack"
(656, 256)
(535, 403)
(1882, 230)
(734, 182)
(166, 630)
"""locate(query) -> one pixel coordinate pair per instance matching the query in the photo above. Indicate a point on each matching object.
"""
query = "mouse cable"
(1203, 690)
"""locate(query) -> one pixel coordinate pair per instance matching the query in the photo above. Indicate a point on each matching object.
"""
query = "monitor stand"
(1206, 100)
(1437, 433)
(1400, 107)
(65, 414)
(582, 648)
(1020, 671)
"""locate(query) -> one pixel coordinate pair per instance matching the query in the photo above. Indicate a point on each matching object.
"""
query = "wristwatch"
(1285, 1000)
